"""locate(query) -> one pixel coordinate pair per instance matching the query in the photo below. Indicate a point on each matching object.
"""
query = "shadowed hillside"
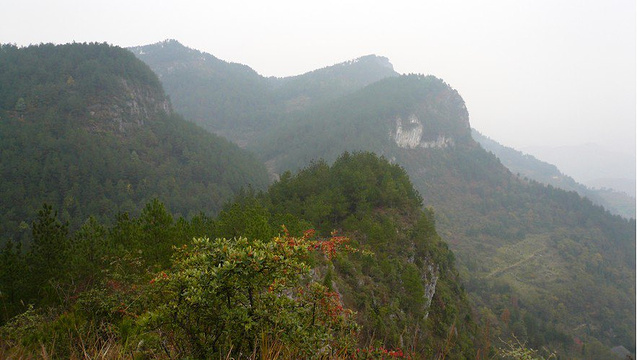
(88, 129)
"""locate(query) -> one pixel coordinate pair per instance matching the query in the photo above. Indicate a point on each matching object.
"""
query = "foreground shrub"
(226, 296)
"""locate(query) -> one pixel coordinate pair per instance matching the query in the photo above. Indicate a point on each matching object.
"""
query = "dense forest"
(88, 129)
(373, 280)
(127, 231)
(515, 239)
(132, 252)
(541, 264)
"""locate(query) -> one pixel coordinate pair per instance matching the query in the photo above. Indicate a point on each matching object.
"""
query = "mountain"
(382, 117)
(88, 129)
(525, 165)
(523, 247)
(234, 101)
(514, 238)
(331, 82)
(225, 98)
(403, 284)
(373, 280)
(540, 263)
(592, 165)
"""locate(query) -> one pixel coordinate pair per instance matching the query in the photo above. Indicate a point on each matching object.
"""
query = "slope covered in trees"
(407, 292)
(225, 98)
(542, 254)
(541, 263)
(369, 120)
(525, 165)
(142, 287)
(234, 101)
(88, 129)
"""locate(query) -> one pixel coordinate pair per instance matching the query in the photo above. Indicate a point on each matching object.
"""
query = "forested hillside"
(405, 289)
(234, 101)
(527, 166)
(406, 108)
(542, 264)
(374, 280)
(542, 255)
(229, 99)
(88, 129)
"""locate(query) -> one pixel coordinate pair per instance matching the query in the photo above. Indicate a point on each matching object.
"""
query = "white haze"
(534, 73)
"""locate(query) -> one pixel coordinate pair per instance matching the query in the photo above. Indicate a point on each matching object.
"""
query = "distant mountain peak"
(368, 64)
(170, 56)
(369, 60)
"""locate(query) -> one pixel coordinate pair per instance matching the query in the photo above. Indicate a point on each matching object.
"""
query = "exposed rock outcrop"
(132, 108)
(409, 135)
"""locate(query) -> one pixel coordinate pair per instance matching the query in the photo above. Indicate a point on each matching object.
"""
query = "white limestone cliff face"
(409, 135)
(440, 142)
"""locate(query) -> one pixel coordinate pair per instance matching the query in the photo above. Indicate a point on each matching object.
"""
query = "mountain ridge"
(98, 152)
(520, 245)
(603, 168)
(249, 100)
(526, 165)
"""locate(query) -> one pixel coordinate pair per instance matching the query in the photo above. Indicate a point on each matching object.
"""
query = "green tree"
(157, 233)
(12, 279)
(226, 296)
(88, 251)
(48, 254)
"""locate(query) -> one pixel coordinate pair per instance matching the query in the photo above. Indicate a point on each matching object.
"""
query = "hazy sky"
(532, 72)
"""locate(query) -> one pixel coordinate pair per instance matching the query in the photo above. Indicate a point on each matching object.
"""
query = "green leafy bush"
(227, 295)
